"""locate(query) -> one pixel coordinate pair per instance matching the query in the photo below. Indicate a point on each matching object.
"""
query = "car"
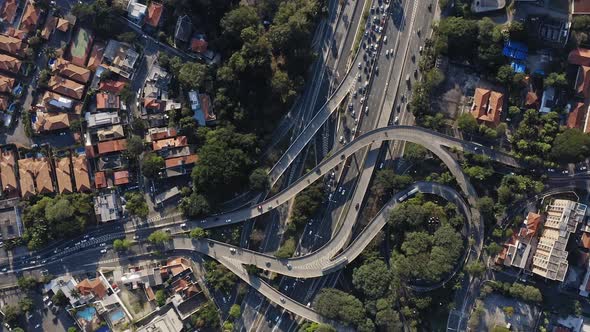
(232, 250)
(386, 52)
(308, 304)
(183, 225)
(357, 206)
(354, 94)
(168, 230)
(103, 251)
(228, 220)
(385, 39)
(45, 298)
(341, 139)
(282, 300)
(550, 170)
(583, 168)
(362, 100)
(4, 269)
(360, 65)
(565, 171)
(353, 114)
(104, 244)
(343, 192)
(63, 133)
(33, 262)
(420, 50)
(260, 207)
(44, 261)
(38, 326)
(396, 120)
(366, 109)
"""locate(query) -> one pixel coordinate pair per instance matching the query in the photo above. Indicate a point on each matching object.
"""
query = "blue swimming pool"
(117, 316)
(87, 314)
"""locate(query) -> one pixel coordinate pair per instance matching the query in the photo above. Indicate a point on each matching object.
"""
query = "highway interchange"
(387, 89)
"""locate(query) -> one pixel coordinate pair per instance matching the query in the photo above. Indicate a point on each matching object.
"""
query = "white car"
(103, 251)
(385, 39)
(183, 225)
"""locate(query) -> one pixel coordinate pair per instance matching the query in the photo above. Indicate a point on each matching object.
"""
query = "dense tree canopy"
(56, 218)
(371, 279)
(572, 145)
(219, 277)
(136, 204)
(335, 304)
(151, 165)
(159, 237)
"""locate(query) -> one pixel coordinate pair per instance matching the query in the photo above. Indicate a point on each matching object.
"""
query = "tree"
(59, 298)
(556, 80)
(194, 205)
(493, 248)
(335, 304)
(457, 37)
(151, 165)
(72, 329)
(207, 316)
(371, 279)
(572, 145)
(198, 233)
(505, 75)
(11, 313)
(228, 326)
(121, 244)
(259, 179)
(134, 147)
(509, 311)
(235, 21)
(467, 123)
(127, 37)
(414, 152)
(192, 75)
(476, 269)
(160, 297)
(287, 249)
(126, 94)
(387, 181)
(388, 319)
(235, 311)
(26, 304)
(136, 204)
(219, 277)
(159, 237)
(27, 283)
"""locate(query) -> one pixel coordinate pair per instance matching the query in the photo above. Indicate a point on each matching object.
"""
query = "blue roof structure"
(518, 67)
(515, 50)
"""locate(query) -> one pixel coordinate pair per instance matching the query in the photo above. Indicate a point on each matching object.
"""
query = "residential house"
(101, 119)
(110, 133)
(136, 12)
(487, 106)
(8, 13)
(562, 219)
(8, 174)
(63, 25)
(166, 195)
(11, 45)
(92, 288)
(112, 146)
(202, 108)
(35, 177)
(9, 64)
(71, 71)
(107, 102)
(30, 17)
(96, 56)
(199, 44)
(121, 178)
(66, 284)
(63, 173)
(173, 142)
(183, 29)
(80, 47)
(180, 165)
(577, 118)
(16, 33)
(107, 207)
(580, 7)
(120, 58)
(155, 134)
(81, 176)
(55, 102)
(47, 122)
(66, 87)
(110, 162)
(154, 14)
(100, 180)
(112, 86)
(6, 84)
(517, 251)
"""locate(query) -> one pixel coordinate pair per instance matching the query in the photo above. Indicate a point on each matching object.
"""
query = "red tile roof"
(113, 86)
(121, 177)
(154, 13)
(10, 64)
(96, 56)
(487, 106)
(100, 180)
(9, 11)
(583, 81)
(106, 101)
(169, 142)
(580, 57)
(180, 161)
(533, 222)
(112, 146)
(199, 45)
(94, 287)
(30, 17)
(577, 116)
(16, 33)
(581, 7)
(11, 45)
(532, 100)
